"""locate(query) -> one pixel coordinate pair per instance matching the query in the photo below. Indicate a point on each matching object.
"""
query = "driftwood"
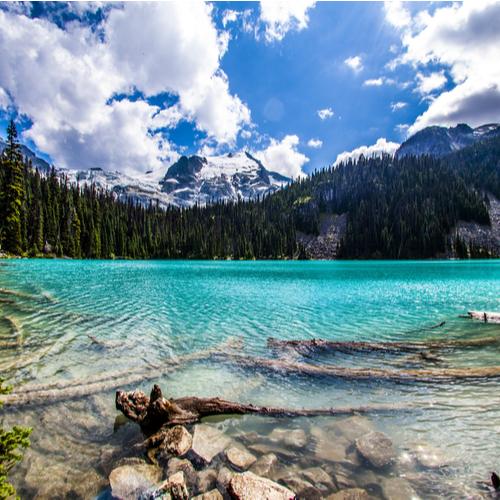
(375, 374)
(154, 412)
(487, 317)
(385, 347)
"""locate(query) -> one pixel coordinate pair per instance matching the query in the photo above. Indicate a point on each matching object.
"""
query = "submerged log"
(154, 412)
(385, 347)
(375, 374)
(486, 316)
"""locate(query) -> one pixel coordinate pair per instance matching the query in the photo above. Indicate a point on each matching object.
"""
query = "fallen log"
(486, 316)
(375, 374)
(386, 347)
(154, 412)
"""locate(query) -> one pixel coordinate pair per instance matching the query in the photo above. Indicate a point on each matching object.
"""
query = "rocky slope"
(440, 141)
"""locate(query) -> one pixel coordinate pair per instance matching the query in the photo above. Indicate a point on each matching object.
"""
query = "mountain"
(37, 162)
(441, 141)
(199, 179)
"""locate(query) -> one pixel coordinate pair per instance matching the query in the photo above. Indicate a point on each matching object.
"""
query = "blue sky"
(130, 87)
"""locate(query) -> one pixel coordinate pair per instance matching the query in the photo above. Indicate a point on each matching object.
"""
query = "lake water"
(144, 313)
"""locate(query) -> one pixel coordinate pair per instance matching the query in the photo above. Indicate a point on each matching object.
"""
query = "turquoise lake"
(82, 319)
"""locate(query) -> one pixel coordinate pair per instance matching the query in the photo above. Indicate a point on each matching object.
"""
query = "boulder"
(208, 441)
(265, 465)
(248, 486)
(176, 465)
(175, 485)
(344, 476)
(396, 488)
(239, 458)
(129, 482)
(318, 477)
(295, 438)
(303, 488)
(349, 494)
(352, 428)
(177, 441)
(376, 448)
(209, 495)
(224, 477)
(329, 447)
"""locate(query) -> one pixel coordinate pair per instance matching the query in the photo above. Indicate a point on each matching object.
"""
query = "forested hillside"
(404, 208)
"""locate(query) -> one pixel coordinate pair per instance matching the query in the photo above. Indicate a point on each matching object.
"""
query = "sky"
(300, 85)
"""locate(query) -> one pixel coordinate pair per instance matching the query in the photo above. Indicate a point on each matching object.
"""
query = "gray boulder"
(208, 441)
(376, 448)
(129, 482)
(248, 486)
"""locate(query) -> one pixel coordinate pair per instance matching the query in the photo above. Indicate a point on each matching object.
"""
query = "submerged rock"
(329, 447)
(209, 495)
(265, 465)
(318, 477)
(224, 477)
(129, 482)
(303, 488)
(376, 448)
(206, 480)
(396, 488)
(248, 486)
(240, 458)
(349, 494)
(430, 457)
(352, 428)
(176, 465)
(208, 442)
(178, 441)
(175, 485)
(296, 438)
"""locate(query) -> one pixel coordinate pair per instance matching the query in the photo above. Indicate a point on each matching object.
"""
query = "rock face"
(128, 482)
(177, 441)
(376, 448)
(248, 486)
(325, 245)
(240, 458)
(208, 442)
(440, 141)
(198, 179)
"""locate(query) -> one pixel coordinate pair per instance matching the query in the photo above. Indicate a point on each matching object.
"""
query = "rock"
(248, 486)
(352, 427)
(209, 495)
(304, 489)
(206, 480)
(208, 442)
(376, 448)
(177, 441)
(349, 494)
(296, 438)
(265, 465)
(224, 477)
(240, 458)
(182, 465)
(328, 447)
(367, 479)
(266, 448)
(396, 488)
(176, 486)
(318, 477)
(343, 476)
(128, 482)
(430, 457)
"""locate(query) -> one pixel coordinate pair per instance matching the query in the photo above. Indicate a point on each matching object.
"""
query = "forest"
(396, 209)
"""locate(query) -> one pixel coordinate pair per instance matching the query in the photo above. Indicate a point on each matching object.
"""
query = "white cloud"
(283, 157)
(396, 14)
(325, 113)
(429, 83)
(229, 16)
(374, 82)
(4, 99)
(396, 106)
(355, 63)
(280, 16)
(315, 143)
(381, 147)
(64, 80)
(465, 39)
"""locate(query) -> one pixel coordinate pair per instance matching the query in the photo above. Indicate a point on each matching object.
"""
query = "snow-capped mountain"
(37, 162)
(199, 179)
(440, 141)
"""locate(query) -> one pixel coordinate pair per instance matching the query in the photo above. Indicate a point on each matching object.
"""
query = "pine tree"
(13, 193)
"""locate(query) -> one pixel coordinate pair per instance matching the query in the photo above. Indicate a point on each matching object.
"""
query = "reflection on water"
(69, 320)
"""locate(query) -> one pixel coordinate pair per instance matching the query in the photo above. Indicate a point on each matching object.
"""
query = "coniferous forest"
(396, 208)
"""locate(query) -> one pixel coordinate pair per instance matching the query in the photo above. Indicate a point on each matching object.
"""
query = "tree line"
(396, 208)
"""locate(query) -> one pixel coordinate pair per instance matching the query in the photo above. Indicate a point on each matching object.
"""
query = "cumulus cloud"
(429, 83)
(381, 147)
(283, 157)
(279, 17)
(396, 14)
(325, 113)
(374, 82)
(66, 80)
(355, 63)
(464, 38)
(315, 143)
(396, 106)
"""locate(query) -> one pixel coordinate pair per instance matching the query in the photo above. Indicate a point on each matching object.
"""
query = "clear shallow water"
(149, 312)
